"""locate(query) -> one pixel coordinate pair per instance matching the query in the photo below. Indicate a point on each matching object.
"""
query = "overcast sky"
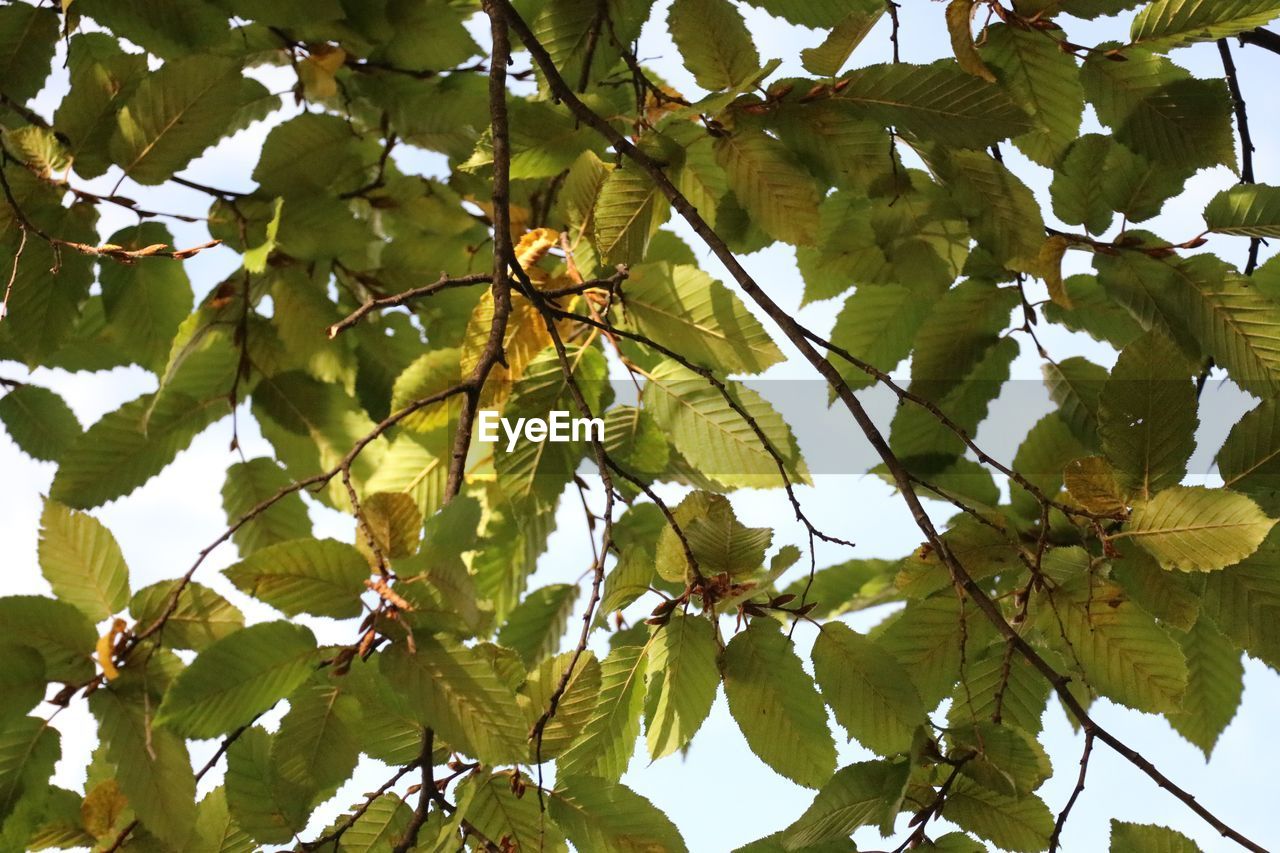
(720, 796)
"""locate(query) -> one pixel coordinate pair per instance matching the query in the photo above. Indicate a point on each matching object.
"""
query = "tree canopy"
(374, 313)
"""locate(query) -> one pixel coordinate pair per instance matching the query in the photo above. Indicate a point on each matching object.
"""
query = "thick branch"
(1262, 38)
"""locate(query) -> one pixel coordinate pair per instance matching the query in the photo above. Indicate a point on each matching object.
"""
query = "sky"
(720, 795)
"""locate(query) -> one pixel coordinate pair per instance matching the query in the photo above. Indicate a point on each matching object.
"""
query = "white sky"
(720, 796)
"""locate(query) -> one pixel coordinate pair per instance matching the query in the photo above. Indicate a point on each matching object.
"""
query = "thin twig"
(13, 275)
(1061, 822)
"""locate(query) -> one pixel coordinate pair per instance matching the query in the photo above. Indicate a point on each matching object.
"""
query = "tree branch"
(1262, 38)
(1061, 822)
(1246, 140)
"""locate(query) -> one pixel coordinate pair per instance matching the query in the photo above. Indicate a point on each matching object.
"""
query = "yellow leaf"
(102, 809)
(106, 645)
(1050, 266)
(960, 23)
(525, 337)
(317, 71)
(1092, 484)
(534, 245)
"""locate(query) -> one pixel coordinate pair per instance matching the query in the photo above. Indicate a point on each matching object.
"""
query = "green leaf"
(382, 824)
(1148, 838)
(102, 78)
(201, 617)
(685, 310)
(29, 747)
(178, 112)
(847, 253)
(1197, 529)
(1047, 450)
(393, 522)
(923, 639)
(455, 691)
(1006, 759)
(82, 562)
(608, 739)
(214, 829)
(717, 440)
(429, 374)
(416, 466)
(292, 405)
(877, 324)
(125, 448)
(1080, 189)
(1246, 210)
(806, 13)
(1171, 597)
(22, 680)
(1159, 111)
(39, 422)
(28, 39)
(866, 793)
(716, 63)
(315, 746)
(167, 28)
(1232, 321)
(777, 706)
(719, 542)
(62, 634)
(1004, 216)
(627, 215)
(1166, 24)
(938, 102)
(1147, 415)
(1017, 824)
(780, 197)
(152, 765)
(237, 677)
(1244, 601)
(1042, 79)
(498, 812)
(43, 305)
(869, 691)
(1076, 384)
(536, 626)
(1138, 186)
(828, 58)
(308, 154)
(575, 707)
(248, 485)
(964, 325)
(262, 804)
(1249, 460)
(600, 814)
(634, 439)
(322, 577)
(682, 683)
(1215, 683)
(145, 302)
(535, 473)
(1124, 654)
(1021, 697)
(1094, 312)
